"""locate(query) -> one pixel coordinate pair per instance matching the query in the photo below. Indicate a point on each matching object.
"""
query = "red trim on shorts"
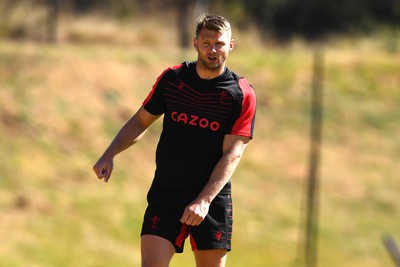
(182, 235)
(193, 243)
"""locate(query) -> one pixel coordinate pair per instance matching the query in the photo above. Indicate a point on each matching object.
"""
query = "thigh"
(210, 258)
(156, 251)
(158, 222)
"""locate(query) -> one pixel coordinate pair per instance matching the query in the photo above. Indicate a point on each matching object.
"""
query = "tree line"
(281, 19)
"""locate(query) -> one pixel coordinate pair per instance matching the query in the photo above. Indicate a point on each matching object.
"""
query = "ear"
(195, 44)
(231, 44)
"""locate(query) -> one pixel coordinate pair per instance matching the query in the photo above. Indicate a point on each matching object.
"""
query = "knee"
(156, 251)
(155, 259)
(154, 263)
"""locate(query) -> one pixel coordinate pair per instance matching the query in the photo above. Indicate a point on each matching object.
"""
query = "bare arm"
(233, 148)
(128, 135)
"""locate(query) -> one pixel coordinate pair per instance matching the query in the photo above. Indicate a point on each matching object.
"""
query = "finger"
(103, 172)
(190, 221)
(106, 174)
(184, 218)
(197, 222)
(98, 171)
(193, 220)
(188, 217)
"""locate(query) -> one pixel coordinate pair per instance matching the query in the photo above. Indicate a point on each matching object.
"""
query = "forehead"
(205, 34)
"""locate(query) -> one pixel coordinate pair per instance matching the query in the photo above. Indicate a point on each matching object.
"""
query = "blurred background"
(318, 186)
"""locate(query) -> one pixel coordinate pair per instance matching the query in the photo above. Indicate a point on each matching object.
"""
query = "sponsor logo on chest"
(194, 120)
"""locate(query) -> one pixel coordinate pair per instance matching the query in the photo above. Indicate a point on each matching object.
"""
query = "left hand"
(195, 213)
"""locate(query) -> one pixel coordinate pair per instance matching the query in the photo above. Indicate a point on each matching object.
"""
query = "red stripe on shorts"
(182, 235)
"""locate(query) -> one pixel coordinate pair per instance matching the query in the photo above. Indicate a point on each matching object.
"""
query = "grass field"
(61, 105)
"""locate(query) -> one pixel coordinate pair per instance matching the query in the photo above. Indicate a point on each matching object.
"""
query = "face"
(213, 49)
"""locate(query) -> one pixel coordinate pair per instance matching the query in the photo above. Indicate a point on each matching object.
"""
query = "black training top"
(197, 115)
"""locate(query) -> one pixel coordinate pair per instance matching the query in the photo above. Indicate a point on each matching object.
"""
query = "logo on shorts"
(218, 235)
(154, 221)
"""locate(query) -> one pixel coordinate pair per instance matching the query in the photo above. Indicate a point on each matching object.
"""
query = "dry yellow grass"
(61, 105)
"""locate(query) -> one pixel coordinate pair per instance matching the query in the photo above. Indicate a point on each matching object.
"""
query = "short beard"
(214, 66)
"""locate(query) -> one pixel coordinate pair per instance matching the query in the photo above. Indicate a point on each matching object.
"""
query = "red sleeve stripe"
(245, 123)
(158, 80)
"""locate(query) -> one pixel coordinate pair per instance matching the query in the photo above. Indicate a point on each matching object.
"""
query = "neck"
(208, 74)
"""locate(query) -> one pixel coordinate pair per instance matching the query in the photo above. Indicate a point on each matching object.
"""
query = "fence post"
(312, 203)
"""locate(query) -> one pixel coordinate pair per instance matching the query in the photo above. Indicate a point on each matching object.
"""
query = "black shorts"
(214, 232)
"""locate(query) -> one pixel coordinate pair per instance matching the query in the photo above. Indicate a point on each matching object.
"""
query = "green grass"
(62, 104)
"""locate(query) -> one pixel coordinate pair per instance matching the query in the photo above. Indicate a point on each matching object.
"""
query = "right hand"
(103, 168)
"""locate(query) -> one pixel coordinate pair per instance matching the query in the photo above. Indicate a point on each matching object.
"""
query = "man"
(209, 115)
